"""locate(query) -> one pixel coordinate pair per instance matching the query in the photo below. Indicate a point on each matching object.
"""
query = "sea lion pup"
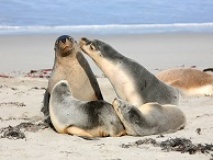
(71, 65)
(82, 118)
(132, 82)
(149, 118)
(190, 81)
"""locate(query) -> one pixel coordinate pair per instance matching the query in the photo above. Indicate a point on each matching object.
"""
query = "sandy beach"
(21, 97)
(153, 51)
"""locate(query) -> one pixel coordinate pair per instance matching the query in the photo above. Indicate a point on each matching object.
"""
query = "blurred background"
(105, 17)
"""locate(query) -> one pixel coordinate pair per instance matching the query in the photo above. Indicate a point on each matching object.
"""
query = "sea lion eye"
(92, 47)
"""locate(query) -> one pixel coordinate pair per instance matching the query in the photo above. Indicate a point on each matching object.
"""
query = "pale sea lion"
(149, 118)
(71, 65)
(82, 118)
(190, 81)
(132, 82)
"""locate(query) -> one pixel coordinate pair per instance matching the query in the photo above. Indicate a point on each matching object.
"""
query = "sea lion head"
(64, 45)
(61, 88)
(129, 115)
(121, 107)
(97, 49)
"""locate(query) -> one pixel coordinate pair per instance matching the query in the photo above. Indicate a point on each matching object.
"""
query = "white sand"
(156, 52)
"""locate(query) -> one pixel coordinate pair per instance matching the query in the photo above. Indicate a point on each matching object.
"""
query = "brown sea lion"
(72, 66)
(190, 81)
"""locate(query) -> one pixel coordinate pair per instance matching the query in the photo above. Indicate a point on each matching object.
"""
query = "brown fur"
(185, 78)
(68, 67)
(71, 65)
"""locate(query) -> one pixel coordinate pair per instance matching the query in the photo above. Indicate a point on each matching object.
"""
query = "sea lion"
(208, 70)
(82, 118)
(132, 82)
(150, 118)
(71, 65)
(190, 81)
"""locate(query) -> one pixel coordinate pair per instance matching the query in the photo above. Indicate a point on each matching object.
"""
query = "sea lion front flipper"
(45, 108)
(88, 138)
(78, 132)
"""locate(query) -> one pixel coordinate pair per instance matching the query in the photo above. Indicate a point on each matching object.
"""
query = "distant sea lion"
(132, 82)
(72, 66)
(82, 118)
(149, 118)
(189, 81)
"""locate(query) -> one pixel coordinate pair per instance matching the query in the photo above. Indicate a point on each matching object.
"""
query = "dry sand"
(153, 51)
(21, 98)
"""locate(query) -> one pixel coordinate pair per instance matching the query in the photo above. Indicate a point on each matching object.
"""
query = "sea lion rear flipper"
(78, 132)
(89, 138)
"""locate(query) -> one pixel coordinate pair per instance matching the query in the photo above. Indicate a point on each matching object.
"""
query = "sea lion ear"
(72, 39)
(56, 42)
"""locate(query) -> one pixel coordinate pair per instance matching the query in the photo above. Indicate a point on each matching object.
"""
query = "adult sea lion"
(72, 66)
(190, 81)
(208, 70)
(149, 118)
(82, 118)
(131, 81)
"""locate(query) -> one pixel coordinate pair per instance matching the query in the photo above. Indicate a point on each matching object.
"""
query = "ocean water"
(105, 17)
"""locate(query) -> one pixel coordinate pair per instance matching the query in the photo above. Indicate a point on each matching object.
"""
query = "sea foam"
(109, 29)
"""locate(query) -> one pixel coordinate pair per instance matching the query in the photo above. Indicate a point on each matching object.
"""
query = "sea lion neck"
(67, 62)
(66, 53)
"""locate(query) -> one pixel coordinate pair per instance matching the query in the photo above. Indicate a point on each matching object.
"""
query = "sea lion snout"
(84, 41)
(64, 44)
(117, 103)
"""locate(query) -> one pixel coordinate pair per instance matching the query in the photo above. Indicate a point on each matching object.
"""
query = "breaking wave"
(109, 29)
